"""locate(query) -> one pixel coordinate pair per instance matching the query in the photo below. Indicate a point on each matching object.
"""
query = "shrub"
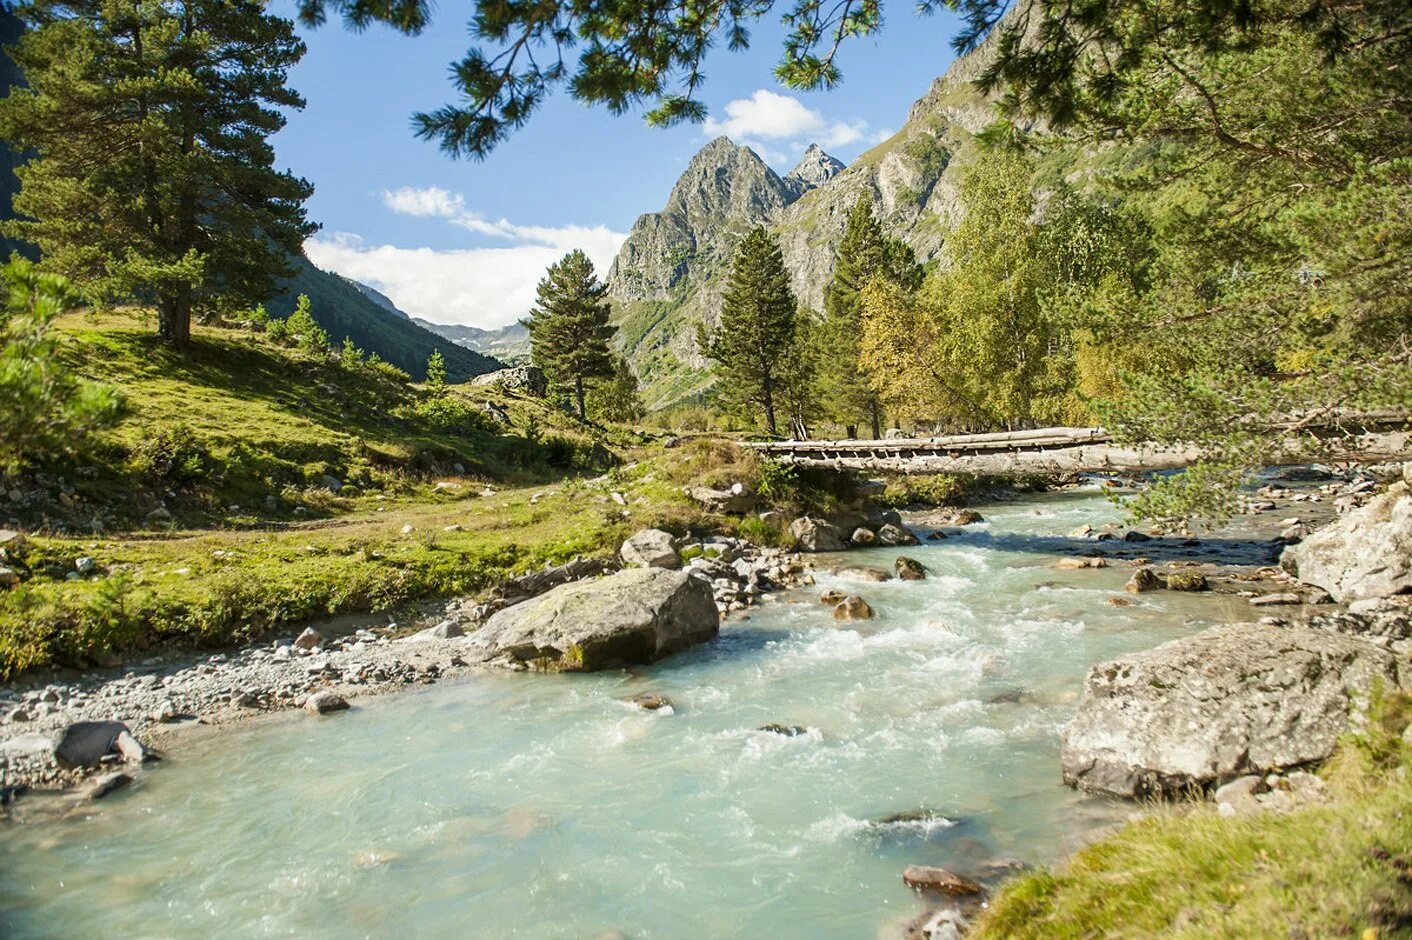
(48, 412)
(452, 414)
(171, 455)
(941, 489)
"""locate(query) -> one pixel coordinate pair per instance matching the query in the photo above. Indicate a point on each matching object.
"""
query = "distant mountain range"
(670, 273)
(346, 307)
(510, 344)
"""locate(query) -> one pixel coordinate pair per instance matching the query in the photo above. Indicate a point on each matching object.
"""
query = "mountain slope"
(670, 273)
(344, 310)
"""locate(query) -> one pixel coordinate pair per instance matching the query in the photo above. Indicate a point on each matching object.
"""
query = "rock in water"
(863, 536)
(939, 881)
(1365, 553)
(1187, 581)
(864, 573)
(322, 703)
(853, 607)
(910, 569)
(651, 548)
(1204, 709)
(816, 535)
(650, 701)
(1142, 581)
(86, 743)
(105, 784)
(891, 534)
(635, 616)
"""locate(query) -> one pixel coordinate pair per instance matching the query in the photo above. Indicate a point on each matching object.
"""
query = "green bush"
(171, 455)
(941, 489)
(451, 413)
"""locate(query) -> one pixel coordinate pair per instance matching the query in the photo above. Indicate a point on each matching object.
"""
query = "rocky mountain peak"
(814, 170)
(725, 189)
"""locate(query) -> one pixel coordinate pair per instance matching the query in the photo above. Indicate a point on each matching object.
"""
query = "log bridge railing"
(1040, 450)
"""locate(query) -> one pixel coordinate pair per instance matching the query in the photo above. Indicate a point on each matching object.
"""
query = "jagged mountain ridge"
(671, 272)
(509, 344)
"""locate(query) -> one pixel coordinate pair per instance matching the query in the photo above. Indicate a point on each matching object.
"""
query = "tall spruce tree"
(754, 343)
(863, 254)
(569, 329)
(152, 176)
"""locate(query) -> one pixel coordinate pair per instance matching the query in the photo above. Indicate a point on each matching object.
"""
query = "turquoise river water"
(544, 806)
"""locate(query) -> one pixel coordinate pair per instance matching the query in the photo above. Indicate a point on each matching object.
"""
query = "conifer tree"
(152, 172)
(754, 342)
(436, 373)
(865, 253)
(569, 329)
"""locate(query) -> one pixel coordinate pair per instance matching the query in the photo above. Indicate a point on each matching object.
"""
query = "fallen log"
(1047, 451)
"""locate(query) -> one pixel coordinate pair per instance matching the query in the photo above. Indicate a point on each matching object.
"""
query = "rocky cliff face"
(670, 273)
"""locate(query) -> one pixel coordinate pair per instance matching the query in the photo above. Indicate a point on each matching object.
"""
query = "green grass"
(232, 439)
(1339, 869)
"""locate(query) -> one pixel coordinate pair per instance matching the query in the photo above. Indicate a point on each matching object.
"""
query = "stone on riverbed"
(910, 569)
(86, 743)
(1205, 709)
(895, 535)
(832, 598)
(863, 536)
(939, 881)
(853, 607)
(864, 573)
(650, 701)
(650, 548)
(816, 535)
(1365, 553)
(1187, 581)
(309, 639)
(1142, 581)
(635, 616)
(105, 784)
(322, 703)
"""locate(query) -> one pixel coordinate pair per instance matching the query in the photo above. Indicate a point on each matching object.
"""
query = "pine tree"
(152, 176)
(436, 373)
(304, 329)
(569, 329)
(754, 342)
(865, 253)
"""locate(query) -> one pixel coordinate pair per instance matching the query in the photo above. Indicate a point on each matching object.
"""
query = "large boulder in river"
(1365, 553)
(1208, 708)
(650, 548)
(816, 535)
(635, 616)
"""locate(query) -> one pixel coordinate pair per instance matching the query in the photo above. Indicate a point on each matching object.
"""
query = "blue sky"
(465, 242)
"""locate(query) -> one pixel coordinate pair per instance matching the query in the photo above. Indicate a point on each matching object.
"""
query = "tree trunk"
(578, 397)
(875, 412)
(174, 318)
(767, 398)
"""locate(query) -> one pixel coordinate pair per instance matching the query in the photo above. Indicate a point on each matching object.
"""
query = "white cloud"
(770, 116)
(432, 201)
(486, 287)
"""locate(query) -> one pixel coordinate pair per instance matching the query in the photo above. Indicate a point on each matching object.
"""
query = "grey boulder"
(650, 548)
(635, 616)
(86, 743)
(816, 535)
(1205, 709)
(1365, 553)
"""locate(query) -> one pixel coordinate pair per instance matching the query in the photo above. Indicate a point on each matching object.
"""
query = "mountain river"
(545, 806)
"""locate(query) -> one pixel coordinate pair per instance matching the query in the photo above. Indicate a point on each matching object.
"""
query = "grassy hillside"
(344, 310)
(252, 486)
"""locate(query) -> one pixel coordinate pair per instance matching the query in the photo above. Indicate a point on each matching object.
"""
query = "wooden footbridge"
(1041, 450)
